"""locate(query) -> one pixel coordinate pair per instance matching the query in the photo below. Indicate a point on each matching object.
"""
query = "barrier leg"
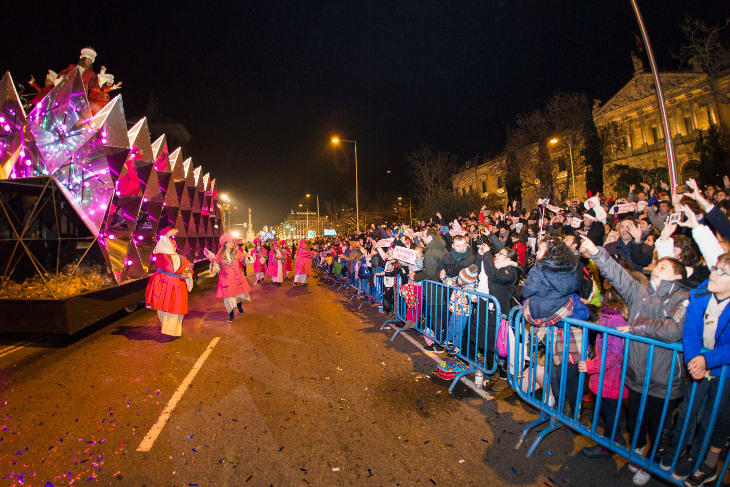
(544, 418)
(392, 320)
(456, 379)
(554, 424)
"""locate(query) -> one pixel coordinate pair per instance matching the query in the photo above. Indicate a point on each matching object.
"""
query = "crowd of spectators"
(655, 263)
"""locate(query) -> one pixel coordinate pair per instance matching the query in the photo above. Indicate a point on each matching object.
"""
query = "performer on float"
(303, 265)
(233, 286)
(277, 262)
(167, 290)
(99, 92)
(260, 257)
(50, 83)
(288, 254)
(88, 76)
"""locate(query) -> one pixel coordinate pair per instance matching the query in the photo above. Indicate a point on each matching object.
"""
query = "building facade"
(633, 112)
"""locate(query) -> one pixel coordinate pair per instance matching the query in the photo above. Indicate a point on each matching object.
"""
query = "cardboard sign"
(575, 222)
(384, 242)
(404, 254)
(641, 205)
(622, 208)
(552, 208)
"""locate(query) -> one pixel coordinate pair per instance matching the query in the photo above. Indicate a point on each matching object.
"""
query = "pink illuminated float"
(84, 190)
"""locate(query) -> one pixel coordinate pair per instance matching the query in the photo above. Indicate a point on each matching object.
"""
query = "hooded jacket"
(653, 313)
(549, 285)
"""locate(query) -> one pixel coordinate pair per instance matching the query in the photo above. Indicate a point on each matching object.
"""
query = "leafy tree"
(627, 175)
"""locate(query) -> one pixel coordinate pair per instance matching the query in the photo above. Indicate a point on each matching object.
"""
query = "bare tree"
(705, 51)
(431, 173)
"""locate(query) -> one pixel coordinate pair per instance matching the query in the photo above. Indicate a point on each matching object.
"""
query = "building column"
(642, 128)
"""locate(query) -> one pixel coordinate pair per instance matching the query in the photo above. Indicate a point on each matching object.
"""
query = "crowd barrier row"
(542, 369)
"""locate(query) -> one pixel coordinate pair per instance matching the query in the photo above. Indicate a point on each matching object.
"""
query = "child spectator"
(613, 315)
(459, 305)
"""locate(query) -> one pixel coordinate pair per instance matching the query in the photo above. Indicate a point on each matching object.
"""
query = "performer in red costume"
(287, 252)
(88, 76)
(99, 92)
(43, 91)
(233, 286)
(167, 289)
(260, 257)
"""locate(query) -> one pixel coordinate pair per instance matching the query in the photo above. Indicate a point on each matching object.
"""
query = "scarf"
(565, 311)
(459, 256)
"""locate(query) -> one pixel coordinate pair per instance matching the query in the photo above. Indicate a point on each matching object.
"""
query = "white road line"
(467, 382)
(154, 432)
(14, 348)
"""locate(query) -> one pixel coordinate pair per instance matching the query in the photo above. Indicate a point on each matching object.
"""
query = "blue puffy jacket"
(694, 326)
(549, 286)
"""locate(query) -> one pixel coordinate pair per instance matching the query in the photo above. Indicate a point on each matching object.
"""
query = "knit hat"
(468, 275)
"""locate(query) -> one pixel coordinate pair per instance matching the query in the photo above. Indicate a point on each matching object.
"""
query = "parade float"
(82, 197)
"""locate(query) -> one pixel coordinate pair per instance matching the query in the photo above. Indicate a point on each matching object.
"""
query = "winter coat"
(501, 281)
(432, 255)
(653, 313)
(694, 326)
(549, 285)
(452, 266)
(611, 318)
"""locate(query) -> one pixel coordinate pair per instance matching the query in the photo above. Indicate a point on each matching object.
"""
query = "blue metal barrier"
(531, 380)
(473, 335)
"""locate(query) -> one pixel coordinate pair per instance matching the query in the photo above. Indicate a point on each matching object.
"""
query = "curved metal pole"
(671, 161)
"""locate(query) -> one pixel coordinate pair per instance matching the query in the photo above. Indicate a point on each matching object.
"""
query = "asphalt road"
(304, 389)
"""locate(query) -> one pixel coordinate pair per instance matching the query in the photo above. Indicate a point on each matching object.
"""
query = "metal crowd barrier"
(474, 334)
(527, 369)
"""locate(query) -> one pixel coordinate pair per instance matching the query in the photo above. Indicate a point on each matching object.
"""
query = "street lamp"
(337, 140)
(307, 231)
(317, 196)
(554, 141)
(410, 210)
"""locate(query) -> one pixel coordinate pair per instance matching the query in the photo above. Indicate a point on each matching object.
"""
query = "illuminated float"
(81, 199)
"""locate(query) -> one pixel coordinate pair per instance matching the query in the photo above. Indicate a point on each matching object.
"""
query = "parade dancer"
(277, 261)
(233, 286)
(260, 258)
(167, 290)
(303, 264)
(287, 253)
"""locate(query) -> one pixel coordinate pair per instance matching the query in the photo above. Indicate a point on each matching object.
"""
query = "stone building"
(634, 113)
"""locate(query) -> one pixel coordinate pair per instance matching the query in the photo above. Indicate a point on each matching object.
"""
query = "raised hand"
(691, 217)
(667, 231)
(587, 247)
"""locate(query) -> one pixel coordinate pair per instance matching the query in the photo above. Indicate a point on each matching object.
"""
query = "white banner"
(384, 242)
(406, 255)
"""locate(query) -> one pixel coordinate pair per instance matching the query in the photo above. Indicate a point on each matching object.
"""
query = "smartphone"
(674, 218)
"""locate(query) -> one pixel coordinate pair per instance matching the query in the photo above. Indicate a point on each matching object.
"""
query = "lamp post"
(554, 141)
(410, 211)
(336, 140)
(316, 196)
(307, 230)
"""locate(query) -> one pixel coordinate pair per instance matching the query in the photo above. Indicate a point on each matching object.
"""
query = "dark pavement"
(303, 389)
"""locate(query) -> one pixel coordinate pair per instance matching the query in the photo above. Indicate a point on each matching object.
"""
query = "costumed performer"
(88, 76)
(303, 264)
(260, 258)
(288, 254)
(277, 261)
(167, 290)
(233, 286)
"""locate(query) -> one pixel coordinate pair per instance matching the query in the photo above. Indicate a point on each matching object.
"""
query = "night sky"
(262, 86)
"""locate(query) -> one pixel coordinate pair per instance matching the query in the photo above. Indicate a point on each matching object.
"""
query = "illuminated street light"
(337, 140)
(224, 197)
(554, 141)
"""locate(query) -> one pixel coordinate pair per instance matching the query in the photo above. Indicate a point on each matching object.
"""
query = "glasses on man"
(722, 272)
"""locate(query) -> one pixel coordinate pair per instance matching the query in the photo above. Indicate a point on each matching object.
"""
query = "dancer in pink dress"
(233, 286)
(277, 263)
(303, 265)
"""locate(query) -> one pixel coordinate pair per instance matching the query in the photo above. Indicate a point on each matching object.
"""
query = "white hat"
(88, 53)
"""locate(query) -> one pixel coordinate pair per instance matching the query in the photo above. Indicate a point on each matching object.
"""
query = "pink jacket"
(231, 281)
(612, 318)
(304, 262)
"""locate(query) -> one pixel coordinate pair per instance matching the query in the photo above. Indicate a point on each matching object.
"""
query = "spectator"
(656, 311)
